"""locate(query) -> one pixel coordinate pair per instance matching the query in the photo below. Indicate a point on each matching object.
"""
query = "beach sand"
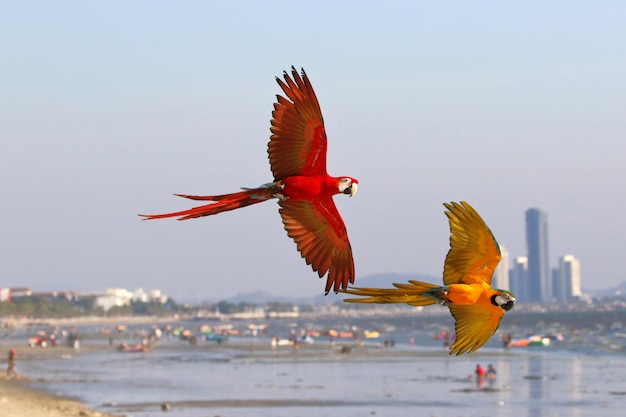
(19, 400)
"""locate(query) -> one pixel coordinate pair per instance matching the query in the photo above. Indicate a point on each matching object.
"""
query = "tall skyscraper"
(539, 277)
(519, 279)
(501, 274)
(559, 291)
(569, 271)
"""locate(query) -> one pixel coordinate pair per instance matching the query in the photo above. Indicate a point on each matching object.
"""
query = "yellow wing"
(474, 252)
(475, 324)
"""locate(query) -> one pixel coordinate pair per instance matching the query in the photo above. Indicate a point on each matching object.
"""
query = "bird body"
(476, 306)
(297, 155)
(468, 294)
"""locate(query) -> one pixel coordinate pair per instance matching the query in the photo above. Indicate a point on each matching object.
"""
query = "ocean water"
(243, 377)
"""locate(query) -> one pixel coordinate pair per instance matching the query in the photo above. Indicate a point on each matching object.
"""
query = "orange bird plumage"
(297, 155)
(476, 306)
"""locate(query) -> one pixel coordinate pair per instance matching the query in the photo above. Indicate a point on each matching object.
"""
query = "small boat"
(123, 347)
(531, 341)
(215, 337)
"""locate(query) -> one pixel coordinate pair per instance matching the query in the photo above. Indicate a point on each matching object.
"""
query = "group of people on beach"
(481, 374)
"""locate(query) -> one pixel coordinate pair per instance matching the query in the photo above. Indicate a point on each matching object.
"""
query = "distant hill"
(386, 279)
(383, 280)
(259, 297)
(619, 289)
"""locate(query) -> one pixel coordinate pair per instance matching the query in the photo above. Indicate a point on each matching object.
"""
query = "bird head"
(348, 185)
(503, 299)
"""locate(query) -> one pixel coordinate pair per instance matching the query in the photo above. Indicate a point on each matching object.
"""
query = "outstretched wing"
(322, 239)
(474, 252)
(475, 324)
(298, 142)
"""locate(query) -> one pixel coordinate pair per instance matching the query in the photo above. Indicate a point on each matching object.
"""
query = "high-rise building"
(539, 277)
(519, 279)
(569, 275)
(559, 292)
(501, 274)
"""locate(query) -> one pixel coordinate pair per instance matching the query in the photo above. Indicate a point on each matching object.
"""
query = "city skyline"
(531, 277)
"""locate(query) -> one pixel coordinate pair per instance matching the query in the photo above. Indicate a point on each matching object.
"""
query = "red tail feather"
(223, 202)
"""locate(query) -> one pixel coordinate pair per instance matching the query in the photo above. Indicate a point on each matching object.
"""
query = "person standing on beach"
(480, 372)
(11, 364)
(506, 340)
(480, 376)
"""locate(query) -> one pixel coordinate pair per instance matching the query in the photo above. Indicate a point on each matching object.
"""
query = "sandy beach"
(19, 400)
(246, 377)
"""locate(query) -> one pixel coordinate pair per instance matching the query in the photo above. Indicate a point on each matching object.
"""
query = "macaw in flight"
(476, 306)
(297, 155)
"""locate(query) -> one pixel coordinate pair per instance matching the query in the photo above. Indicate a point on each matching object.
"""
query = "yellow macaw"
(476, 306)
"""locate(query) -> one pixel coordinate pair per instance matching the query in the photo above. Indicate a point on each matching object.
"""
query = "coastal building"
(118, 297)
(113, 297)
(559, 292)
(519, 278)
(501, 274)
(17, 292)
(158, 296)
(569, 276)
(539, 277)
(140, 295)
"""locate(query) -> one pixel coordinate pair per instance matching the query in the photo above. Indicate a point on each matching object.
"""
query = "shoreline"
(18, 399)
(22, 323)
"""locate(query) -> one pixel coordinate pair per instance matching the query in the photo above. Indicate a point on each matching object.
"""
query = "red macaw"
(476, 306)
(297, 154)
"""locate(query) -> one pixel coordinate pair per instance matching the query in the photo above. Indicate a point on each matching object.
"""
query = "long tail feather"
(223, 202)
(416, 293)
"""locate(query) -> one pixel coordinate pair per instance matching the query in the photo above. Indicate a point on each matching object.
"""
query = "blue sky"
(107, 108)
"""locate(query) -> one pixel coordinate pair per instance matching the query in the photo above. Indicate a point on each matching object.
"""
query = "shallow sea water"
(235, 380)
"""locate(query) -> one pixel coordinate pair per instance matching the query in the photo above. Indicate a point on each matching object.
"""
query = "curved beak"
(508, 306)
(351, 190)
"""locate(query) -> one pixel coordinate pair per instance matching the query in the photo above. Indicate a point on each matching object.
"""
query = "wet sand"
(246, 377)
(19, 400)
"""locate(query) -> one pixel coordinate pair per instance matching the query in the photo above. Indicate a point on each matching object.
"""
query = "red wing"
(322, 239)
(474, 252)
(298, 142)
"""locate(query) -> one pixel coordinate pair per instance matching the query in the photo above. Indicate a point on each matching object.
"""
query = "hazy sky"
(107, 108)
